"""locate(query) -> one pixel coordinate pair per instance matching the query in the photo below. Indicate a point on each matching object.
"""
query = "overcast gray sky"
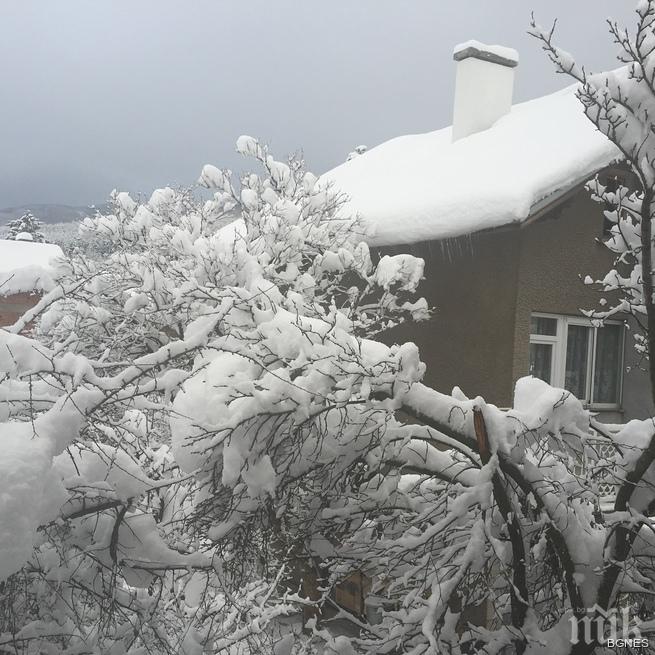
(98, 94)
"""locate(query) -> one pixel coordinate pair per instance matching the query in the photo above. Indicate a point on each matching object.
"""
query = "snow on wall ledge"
(26, 266)
(423, 187)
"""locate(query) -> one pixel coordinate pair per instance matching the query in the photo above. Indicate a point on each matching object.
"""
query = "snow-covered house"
(496, 206)
(26, 269)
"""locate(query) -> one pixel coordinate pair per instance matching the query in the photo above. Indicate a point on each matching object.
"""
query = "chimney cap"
(495, 54)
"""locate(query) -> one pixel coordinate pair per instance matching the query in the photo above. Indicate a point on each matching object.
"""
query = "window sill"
(604, 408)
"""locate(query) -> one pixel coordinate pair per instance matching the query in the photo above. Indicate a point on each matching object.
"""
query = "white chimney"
(483, 87)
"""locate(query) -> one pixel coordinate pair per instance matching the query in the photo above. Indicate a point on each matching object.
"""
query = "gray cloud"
(135, 95)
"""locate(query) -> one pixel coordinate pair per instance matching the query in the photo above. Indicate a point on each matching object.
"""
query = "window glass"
(571, 354)
(541, 325)
(541, 357)
(577, 360)
(608, 364)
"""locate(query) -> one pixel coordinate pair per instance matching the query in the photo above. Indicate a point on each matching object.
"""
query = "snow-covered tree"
(621, 103)
(113, 553)
(27, 224)
(67, 236)
(358, 151)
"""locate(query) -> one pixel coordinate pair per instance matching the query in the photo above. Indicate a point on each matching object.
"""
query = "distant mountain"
(49, 213)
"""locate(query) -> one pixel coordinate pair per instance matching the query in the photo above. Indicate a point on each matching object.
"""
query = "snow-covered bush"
(26, 224)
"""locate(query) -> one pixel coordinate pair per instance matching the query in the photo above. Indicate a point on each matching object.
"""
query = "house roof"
(27, 266)
(422, 187)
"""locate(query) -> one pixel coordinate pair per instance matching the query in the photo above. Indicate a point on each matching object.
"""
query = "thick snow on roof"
(26, 266)
(421, 187)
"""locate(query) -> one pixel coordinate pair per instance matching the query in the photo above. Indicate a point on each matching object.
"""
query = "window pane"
(541, 325)
(541, 356)
(608, 364)
(577, 357)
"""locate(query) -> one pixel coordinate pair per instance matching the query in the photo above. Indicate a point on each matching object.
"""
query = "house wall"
(468, 342)
(556, 251)
(637, 398)
(484, 288)
(12, 307)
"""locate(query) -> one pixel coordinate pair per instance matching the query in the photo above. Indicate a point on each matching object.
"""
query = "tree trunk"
(647, 274)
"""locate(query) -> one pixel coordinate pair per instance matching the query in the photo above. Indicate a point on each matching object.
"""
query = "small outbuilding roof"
(27, 266)
(425, 186)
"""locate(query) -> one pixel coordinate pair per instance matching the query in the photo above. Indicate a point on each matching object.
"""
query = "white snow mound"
(27, 266)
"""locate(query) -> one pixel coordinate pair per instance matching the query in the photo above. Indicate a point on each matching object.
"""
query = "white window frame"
(558, 355)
